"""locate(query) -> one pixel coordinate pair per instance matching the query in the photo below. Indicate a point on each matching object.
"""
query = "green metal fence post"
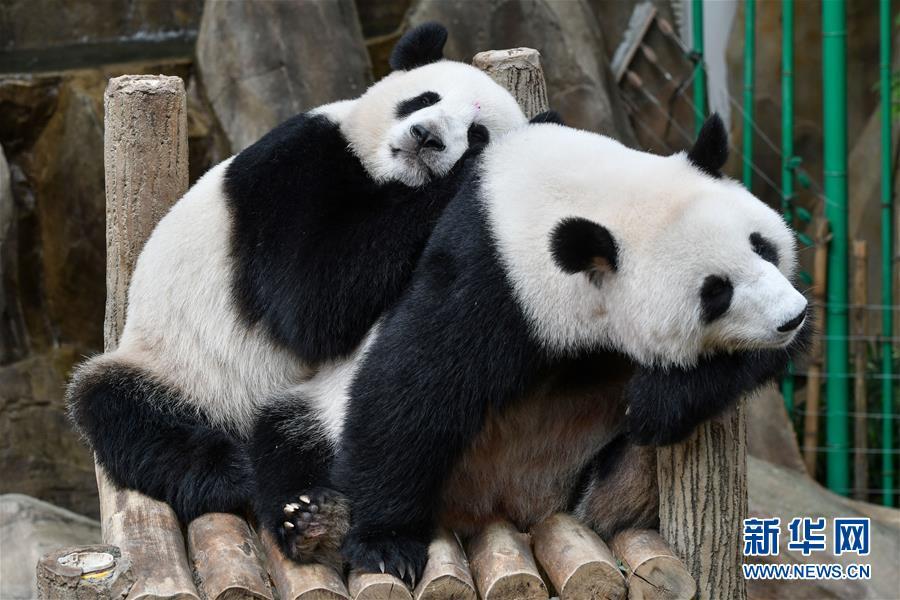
(834, 64)
(887, 400)
(787, 149)
(749, 56)
(699, 70)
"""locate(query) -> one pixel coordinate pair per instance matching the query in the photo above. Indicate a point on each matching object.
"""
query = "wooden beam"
(703, 502)
(301, 582)
(577, 562)
(859, 312)
(447, 573)
(503, 566)
(376, 586)
(146, 165)
(226, 560)
(814, 377)
(654, 571)
(519, 71)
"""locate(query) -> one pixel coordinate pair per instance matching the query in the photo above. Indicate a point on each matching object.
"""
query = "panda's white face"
(413, 126)
(608, 247)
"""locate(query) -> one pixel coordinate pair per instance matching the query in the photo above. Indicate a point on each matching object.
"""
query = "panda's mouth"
(414, 160)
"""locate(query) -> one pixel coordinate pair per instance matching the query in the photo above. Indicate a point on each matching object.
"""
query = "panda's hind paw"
(399, 556)
(314, 526)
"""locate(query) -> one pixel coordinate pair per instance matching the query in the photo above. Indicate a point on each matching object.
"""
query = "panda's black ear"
(580, 245)
(710, 151)
(419, 46)
(548, 116)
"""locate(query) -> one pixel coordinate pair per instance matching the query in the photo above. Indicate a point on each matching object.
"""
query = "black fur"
(302, 204)
(579, 244)
(710, 151)
(144, 439)
(715, 298)
(290, 456)
(455, 344)
(419, 46)
(423, 100)
(665, 405)
(599, 468)
(548, 116)
(763, 247)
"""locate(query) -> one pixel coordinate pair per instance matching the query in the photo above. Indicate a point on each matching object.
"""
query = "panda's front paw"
(403, 557)
(314, 526)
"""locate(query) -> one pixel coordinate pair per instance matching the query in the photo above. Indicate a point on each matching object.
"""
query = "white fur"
(673, 225)
(467, 95)
(182, 325)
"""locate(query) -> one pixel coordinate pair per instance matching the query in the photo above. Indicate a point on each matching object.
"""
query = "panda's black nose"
(793, 323)
(426, 139)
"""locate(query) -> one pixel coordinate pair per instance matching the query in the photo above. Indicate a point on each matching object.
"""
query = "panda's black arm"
(320, 249)
(455, 343)
(665, 405)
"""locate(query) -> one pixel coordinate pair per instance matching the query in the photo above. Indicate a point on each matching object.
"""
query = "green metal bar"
(834, 93)
(749, 52)
(787, 150)
(699, 70)
(887, 400)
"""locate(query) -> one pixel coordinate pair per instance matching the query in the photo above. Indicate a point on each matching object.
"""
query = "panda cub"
(275, 262)
(577, 300)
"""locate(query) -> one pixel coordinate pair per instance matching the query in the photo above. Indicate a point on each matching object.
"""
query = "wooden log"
(519, 71)
(577, 562)
(653, 570)
(860, 299)
(301, 582)
(502, 564)
(447, 573)
(376, 586)
(146, 165)
(84, 573)
(814, 376)
(226, 560)
(703, 502)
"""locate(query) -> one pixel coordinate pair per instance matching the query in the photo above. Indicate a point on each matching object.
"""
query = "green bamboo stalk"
(787, 150)
(699, 70)
(887, 400)
(834, 64)
(749, 56)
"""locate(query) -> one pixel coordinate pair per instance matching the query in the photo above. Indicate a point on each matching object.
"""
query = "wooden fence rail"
(155, 558)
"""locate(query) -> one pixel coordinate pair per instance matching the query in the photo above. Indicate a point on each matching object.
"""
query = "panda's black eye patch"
(715, 297)
(763, 247)
(478, 136)
(423, 100)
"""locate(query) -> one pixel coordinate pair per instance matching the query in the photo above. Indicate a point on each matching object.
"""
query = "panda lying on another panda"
(275, 262)
(576, 300)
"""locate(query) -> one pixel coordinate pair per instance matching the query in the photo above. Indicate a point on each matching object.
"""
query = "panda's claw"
(288, 525)
(381, 566)
(304, 499)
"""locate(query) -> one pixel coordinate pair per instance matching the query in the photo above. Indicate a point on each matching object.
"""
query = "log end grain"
(377, 586)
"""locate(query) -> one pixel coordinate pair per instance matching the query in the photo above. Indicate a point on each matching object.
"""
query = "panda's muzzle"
(426, 139)
(795, 322)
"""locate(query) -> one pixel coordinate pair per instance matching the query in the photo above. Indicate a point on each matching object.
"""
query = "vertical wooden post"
(703, 502)
(860, 463)
(146, 162)
(814, 379)
(519, 71)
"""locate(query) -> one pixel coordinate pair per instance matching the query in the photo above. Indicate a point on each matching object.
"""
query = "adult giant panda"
(275, 261)
(576, 301)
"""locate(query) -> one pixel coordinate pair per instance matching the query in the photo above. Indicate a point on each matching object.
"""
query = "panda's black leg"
(294, 501)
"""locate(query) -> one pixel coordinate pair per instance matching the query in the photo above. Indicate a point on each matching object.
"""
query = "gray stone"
(40, 453)
(579, 83)
(29, 528)
(770, 433)
(778, 492)
(262, 62)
